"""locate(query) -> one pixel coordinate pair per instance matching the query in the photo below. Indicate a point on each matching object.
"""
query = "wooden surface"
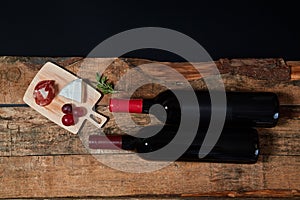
(40, 159)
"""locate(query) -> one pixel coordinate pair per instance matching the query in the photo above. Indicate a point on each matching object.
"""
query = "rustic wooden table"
(40, 159)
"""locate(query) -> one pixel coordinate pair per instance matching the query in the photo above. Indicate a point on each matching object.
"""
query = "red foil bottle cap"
(125, 105)
(105, 142)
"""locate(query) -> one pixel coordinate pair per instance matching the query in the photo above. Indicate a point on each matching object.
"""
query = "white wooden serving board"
(53, 111)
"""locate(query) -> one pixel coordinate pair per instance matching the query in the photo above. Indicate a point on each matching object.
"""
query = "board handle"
(97, 119)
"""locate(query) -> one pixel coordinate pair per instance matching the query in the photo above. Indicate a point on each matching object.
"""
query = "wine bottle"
(238, 145)
(256, 109)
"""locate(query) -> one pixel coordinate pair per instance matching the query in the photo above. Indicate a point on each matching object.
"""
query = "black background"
(232, 29)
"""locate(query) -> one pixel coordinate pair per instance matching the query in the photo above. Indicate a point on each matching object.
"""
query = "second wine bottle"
(235, 145)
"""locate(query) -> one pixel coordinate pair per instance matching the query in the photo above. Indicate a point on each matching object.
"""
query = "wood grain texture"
(40, 159)
(17, 73)
(23, 132)
(295, 69)
(238, 75)
(65, 176)
(262, 69)
(256, 194)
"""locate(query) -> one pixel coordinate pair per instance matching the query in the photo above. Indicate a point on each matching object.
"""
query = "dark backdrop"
(232, 29)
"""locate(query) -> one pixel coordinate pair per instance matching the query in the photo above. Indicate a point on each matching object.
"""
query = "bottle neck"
(130, 105)
(115, 142)
(105, 142)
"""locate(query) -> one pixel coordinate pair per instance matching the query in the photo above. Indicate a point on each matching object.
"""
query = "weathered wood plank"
(65, 176)
(253, 75)
(295, 69)
(24, 132)
(261, 69)
(271, 75)
(16, 74)
(238, 74)
(258, 194)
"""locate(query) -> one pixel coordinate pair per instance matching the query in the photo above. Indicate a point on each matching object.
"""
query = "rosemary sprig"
(104, 86)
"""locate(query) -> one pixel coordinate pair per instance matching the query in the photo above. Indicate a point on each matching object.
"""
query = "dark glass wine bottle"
(238, 145)
(256, 109)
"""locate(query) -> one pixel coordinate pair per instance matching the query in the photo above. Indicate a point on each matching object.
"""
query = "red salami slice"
(44, 92)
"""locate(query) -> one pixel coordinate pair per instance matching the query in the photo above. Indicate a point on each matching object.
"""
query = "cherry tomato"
(44, 92)
(68, 120)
